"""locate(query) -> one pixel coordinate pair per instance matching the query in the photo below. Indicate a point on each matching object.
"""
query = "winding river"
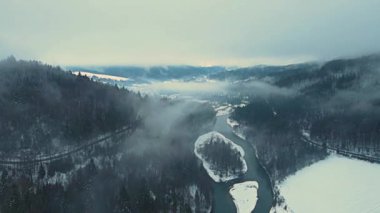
(222, 199)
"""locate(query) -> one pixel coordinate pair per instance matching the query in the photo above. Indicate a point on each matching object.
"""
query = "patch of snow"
(336, 184)
(236, 128)
(224, 110)
(214, 173)
(244, 196)
(241, 105)
(104, 76)
(59, 178)
(240, 134)
(283, 208)
(152, 195)
(305, 133)
(274, 112)
(203, 205)
(232, 123)
(193, 189)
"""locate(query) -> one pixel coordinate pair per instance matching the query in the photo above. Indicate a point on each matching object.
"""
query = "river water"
(222, 202)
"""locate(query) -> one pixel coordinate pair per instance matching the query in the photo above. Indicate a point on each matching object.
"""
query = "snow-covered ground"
(282, 208)
(224, 110)
(213, 172)
(245, 196)
(111, 77)
(336, 184)
(237, 129)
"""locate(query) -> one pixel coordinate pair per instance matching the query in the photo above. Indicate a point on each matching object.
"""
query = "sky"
(193, 32)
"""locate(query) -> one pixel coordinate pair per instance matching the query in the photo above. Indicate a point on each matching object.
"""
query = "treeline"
(154, 72)
(41, 105)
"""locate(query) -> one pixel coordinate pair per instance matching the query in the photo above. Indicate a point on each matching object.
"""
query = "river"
(222, 202)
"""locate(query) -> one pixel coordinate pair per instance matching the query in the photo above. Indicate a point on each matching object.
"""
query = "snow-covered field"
(215, 173)
(336, 184)
(245, 196)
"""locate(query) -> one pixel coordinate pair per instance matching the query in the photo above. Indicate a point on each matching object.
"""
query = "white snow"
(305, 133)
(240, 105)
(336, 184)
(111, 77)
(232, 123)
(224, 110)
(213, 172)
(237, 129)
(60, 178)
(281, 209)
(245, 196)
(203, 205)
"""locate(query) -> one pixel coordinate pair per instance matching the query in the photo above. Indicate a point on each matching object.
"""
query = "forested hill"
(247, 73)
(153, 73)
(335, 105)
(333, 76)
(42, 106)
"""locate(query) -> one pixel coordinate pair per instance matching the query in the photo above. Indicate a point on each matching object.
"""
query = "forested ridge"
(153, 72)
(336, 103)
(42, 106)
(150, 169)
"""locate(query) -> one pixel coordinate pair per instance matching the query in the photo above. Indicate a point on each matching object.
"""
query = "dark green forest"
(336, 103)
(40, 103)
(223, 156)
(150, 168)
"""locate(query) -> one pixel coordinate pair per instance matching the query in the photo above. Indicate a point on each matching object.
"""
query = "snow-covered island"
(245, 196)
(222, 158)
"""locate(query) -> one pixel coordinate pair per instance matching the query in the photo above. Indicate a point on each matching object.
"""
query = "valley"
(241, 148)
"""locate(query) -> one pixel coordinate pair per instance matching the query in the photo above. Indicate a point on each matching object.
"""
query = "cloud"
(187, 32)
(165, 123)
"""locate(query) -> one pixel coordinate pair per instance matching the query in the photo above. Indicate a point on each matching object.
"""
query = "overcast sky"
(198, 32)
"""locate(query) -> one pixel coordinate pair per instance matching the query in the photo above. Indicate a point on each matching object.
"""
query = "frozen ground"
(213, 172)
(245, 196)
(336, 184)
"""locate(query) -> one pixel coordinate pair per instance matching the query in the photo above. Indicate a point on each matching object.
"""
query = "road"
(340, 151)
(57, 156)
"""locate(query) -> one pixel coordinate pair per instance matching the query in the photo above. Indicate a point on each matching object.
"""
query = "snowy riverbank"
(237, 129)
(224, 110)
(245, 196)
(340, 184)
(215, 173)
